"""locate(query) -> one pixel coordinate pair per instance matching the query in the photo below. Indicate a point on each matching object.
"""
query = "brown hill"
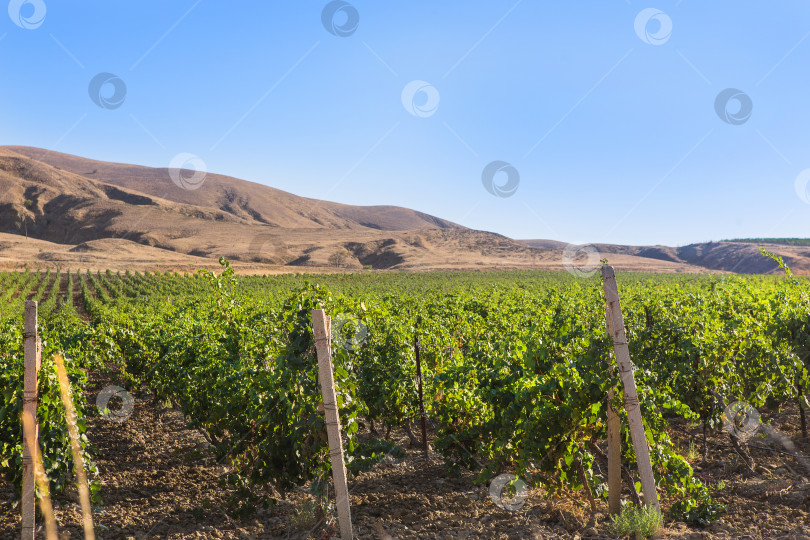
(739, 257)
(70, 201)
(249, 202)
(729, 256)
(62, 210)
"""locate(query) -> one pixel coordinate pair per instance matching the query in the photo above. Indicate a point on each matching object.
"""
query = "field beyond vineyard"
(226, 438)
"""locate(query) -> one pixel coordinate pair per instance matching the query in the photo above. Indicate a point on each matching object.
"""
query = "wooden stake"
(631, 403)
(614, 455)
(32, 363)
(45, 505)
(416, 346)
(322, 328)
(75, 446)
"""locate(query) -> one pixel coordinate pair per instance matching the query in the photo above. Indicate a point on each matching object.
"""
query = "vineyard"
(515, 369)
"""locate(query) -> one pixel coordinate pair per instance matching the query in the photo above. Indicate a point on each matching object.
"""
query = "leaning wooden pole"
(321, 326)
(614, 453)
(45, 505)
(75, 447)
(631, 403)
(417, 346)
(32, 364)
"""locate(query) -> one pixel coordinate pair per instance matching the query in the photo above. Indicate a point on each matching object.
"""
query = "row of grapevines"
(83, 348)
(516, 365)
(247, 380)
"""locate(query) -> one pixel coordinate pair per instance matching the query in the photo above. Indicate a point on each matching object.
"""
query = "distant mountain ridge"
(740, 256)
(779, 241)
(59, 210)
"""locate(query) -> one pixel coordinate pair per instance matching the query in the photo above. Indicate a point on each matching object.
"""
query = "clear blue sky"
(615, 139)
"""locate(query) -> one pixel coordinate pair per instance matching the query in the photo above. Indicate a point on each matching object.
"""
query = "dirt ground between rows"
(160, 480)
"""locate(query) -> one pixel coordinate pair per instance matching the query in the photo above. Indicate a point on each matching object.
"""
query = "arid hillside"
(233, 198)
(59, 210)
(743, 257)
